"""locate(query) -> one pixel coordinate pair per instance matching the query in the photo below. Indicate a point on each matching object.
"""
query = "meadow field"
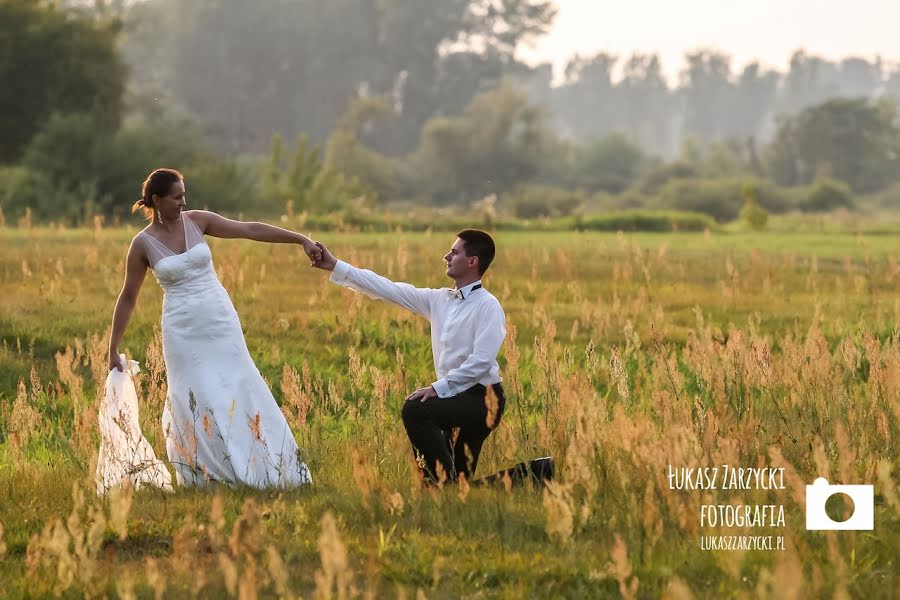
(625, 354)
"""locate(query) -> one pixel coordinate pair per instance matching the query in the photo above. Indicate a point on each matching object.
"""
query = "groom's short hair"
(480, 244)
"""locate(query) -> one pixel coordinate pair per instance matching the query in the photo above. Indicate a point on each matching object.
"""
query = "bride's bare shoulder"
(139, 236)
(138, 246)
(197, 216)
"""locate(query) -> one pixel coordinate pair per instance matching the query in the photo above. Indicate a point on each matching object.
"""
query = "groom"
(467, 330)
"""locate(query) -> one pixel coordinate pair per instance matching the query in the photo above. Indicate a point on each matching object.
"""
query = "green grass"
(687, 315)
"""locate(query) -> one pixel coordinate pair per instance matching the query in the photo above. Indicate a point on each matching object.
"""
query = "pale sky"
(768, 30)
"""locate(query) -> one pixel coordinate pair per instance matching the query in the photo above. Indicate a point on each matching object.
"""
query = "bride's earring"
(159, 217)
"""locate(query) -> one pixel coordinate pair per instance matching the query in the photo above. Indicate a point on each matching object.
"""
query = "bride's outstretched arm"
(216, 225)
(135, 271)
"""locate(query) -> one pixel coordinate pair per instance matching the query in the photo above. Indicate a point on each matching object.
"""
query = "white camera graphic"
(863, 506)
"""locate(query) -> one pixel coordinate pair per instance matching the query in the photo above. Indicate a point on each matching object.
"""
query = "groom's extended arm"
(375, 286)
(488, 340)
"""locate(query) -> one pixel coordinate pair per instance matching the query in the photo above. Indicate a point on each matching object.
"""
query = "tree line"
(352, 103)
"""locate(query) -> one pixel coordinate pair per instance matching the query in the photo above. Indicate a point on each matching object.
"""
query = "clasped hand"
(319, 256)
(312, 251)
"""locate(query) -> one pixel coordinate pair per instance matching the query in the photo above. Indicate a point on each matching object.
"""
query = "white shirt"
(467, 328)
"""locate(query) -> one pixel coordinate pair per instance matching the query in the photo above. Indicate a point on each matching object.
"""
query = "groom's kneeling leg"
(479, 422)
(467, 449)
(427, 438)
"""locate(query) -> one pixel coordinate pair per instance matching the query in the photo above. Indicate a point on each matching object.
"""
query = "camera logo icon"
(863, 506)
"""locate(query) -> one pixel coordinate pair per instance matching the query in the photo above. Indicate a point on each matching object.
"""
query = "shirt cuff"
(340, 272)
(442, 388)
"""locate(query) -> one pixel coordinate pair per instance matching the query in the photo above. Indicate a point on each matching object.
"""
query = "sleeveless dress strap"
(192, 233)
(155, 249)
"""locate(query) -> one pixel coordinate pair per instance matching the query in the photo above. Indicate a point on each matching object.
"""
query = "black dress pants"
(430, 426)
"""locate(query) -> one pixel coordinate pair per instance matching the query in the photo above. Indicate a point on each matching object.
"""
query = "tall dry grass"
(623, 356)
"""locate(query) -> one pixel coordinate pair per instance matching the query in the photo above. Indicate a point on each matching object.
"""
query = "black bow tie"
(459, 294)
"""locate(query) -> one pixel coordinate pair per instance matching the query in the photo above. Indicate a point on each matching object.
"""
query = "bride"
(220, 420)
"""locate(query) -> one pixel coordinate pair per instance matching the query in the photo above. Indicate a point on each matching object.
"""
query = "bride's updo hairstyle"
(158, 183)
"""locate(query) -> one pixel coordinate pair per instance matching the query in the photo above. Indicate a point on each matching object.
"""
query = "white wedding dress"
(125, 454)
(220, 420)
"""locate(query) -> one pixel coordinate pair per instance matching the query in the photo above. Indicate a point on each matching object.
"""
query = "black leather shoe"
(542, 469)
(536, 471)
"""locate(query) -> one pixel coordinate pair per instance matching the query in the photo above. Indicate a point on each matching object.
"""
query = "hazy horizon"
(768, 31)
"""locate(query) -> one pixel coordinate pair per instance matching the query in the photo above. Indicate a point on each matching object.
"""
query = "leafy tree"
(587, 106)
(503, 24)
(89, 170)
(302, 181)
(751, 105)
(306, 59)
(22, 188)
(63, 150)
(854, 140)
(809, 81)
(55, 60)
(892, 84)
(242, 86)
(305, 169)
(345, 153)
(858, 78)
(706, 90)
(498, 143)
(610, 164)
(647, 103)
(434, 56)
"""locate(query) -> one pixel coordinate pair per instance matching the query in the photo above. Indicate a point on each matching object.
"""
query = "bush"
(122, 161)
(754, 216)
(662, 221)
(627, 200)
(76, 169)
(536, 201)
(350, 219)
(752, 213)
(826, 195)
(63, 152)
(21, 188)
(304, 182)
(220, 186)
(70, 170)
(771, 197)
(720, 199)
(363, 220)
